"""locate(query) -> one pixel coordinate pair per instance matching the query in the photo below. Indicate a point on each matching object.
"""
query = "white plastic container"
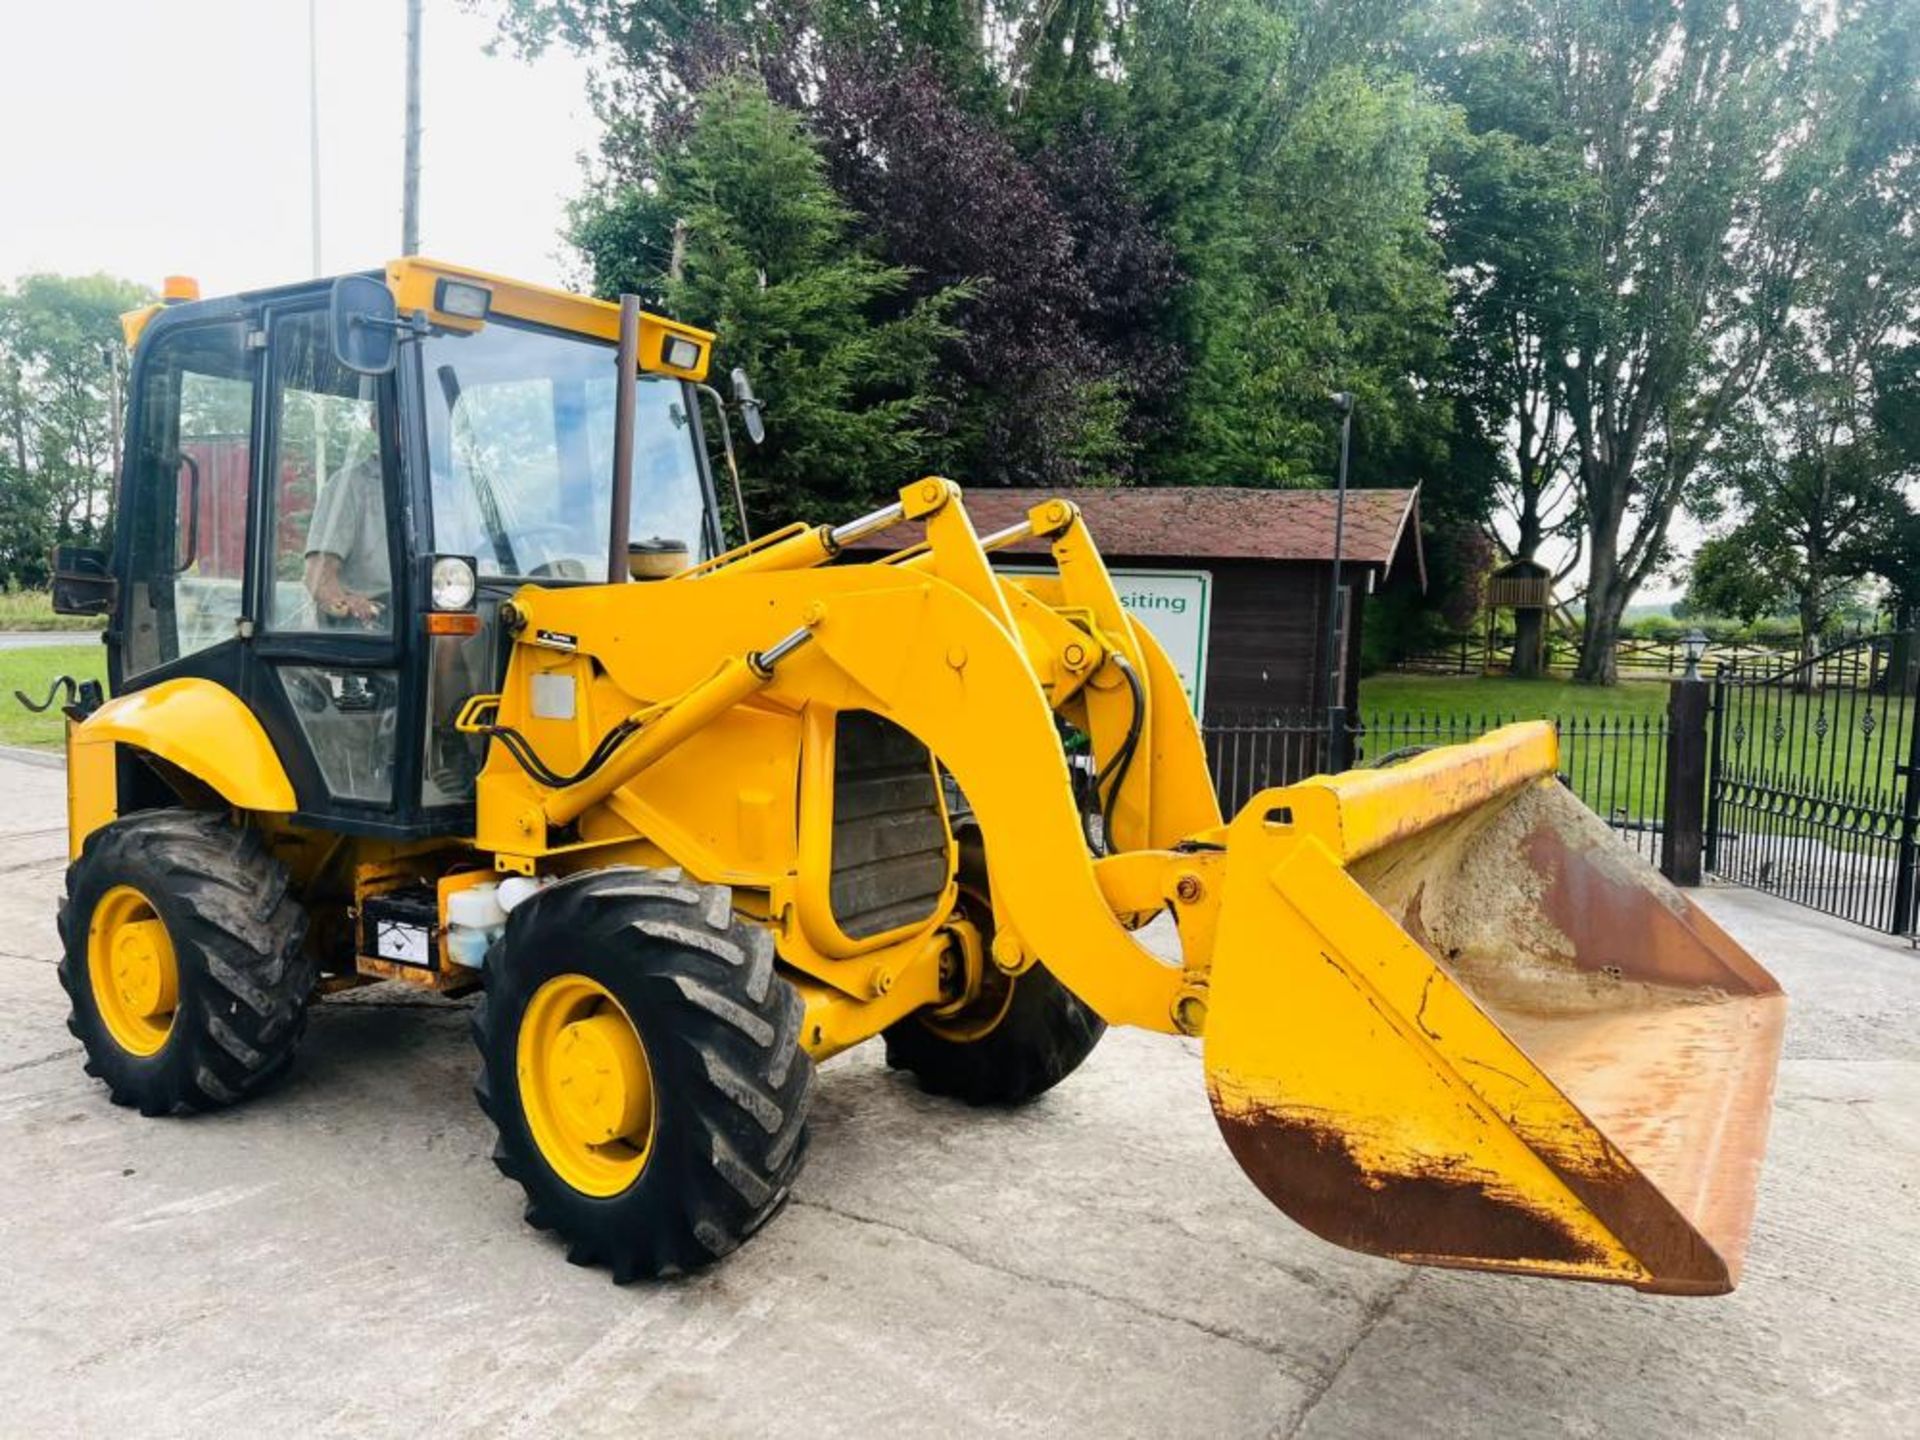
(475, 920)
(515, 888)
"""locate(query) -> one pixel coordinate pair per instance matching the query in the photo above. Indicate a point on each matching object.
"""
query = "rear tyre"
(1024, 1035)
(185, 961)
(641, 1062)
(1017, 1039)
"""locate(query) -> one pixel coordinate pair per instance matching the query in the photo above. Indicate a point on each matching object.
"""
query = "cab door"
(184, 504)
(326, 658)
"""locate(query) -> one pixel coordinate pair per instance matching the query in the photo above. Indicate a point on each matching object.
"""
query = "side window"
(331, 568)
(187, 496)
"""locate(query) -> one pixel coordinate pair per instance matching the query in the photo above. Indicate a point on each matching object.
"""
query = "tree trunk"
(1809, 626)
(1600, 637)
(1607, 595)
(1531, 528)
(1811, 623)
(1529, 630)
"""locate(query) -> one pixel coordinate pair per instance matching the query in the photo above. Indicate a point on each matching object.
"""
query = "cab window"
(520, 439)
(188, 476)
(331, 561)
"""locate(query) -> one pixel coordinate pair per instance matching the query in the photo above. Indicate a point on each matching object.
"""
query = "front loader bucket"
(1453, 1020)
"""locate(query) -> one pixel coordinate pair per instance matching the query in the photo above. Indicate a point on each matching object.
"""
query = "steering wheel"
(563, 567)
(560, 559)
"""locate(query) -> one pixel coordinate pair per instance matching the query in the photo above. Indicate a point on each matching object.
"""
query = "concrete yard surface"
(339, 1257)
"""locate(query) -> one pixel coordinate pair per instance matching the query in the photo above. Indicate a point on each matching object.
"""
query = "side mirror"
(750, 407)
(364, 324)
(81, 582)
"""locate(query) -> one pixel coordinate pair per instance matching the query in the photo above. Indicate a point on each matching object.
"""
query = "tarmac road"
(340, 1258)
(35, 639)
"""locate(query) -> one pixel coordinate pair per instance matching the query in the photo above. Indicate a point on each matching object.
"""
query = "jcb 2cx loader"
(428, 664)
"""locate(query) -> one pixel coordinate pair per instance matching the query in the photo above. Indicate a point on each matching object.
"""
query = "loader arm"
(1446, 1017)
(1077, 637)
(909, 647)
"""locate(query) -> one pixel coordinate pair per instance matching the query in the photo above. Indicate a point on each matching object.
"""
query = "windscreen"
(520, 435)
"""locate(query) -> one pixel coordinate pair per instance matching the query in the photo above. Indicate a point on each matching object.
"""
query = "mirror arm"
(733, 469)
(411, 328)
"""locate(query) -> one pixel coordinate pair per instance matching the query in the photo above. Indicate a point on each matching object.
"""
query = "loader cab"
(280, 516)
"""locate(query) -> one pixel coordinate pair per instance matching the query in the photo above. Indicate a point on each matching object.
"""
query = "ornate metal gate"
(1813, 791)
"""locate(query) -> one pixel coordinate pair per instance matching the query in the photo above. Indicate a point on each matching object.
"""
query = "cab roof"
(415, 282)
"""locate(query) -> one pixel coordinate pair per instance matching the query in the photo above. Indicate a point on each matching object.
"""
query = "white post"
(313, 122)
(410, 183)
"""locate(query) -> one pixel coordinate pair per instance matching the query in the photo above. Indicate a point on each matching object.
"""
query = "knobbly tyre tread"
(1044, 1035)
(238, 936)
(721, 1031)
(1043, 1038)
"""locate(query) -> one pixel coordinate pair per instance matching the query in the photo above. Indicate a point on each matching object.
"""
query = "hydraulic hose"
(1122, 760)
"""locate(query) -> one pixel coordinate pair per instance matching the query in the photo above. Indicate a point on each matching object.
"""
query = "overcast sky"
(153, 137)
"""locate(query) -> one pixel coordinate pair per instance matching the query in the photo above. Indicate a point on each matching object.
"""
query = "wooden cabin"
(1258, 564)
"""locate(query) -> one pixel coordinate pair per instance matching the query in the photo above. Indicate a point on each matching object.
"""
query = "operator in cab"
(346, 560)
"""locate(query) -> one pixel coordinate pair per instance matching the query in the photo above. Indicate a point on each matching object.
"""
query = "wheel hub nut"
(599, 1081)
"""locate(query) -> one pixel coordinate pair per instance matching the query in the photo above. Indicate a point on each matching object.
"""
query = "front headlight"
(453, 582)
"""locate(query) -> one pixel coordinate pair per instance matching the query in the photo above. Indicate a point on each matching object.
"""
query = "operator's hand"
(332, 598)
(342, 603)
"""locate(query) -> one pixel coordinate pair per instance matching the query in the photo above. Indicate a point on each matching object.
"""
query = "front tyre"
(641, 1062)
(184, 959)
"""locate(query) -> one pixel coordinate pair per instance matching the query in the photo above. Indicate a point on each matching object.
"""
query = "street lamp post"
(1695, 645)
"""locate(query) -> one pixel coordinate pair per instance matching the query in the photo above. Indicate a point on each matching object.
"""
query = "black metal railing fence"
(1801, 779)
(1813, 781)
(1615, 763)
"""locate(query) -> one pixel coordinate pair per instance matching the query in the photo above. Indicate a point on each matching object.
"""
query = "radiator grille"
(890, 847)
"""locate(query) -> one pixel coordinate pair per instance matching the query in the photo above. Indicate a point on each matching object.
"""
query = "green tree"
(1274, 148)
(1714, 141)
(1817, 485)
(1817, 460)
(1293, 178)
(62, 401)
(728, 222)
(1511, 206)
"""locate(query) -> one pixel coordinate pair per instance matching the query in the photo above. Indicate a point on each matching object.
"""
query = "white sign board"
(1175, 606)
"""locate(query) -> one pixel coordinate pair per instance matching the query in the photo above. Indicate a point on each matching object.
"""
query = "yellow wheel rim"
(585, 1085)
(132, 970)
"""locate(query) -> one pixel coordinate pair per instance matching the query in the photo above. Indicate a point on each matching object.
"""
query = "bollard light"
(1696, 649)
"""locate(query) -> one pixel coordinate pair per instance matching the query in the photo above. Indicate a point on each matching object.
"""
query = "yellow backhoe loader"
(428, 664)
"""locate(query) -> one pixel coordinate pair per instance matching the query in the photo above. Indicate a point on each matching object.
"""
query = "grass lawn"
(32, 670)
(1472, 696)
